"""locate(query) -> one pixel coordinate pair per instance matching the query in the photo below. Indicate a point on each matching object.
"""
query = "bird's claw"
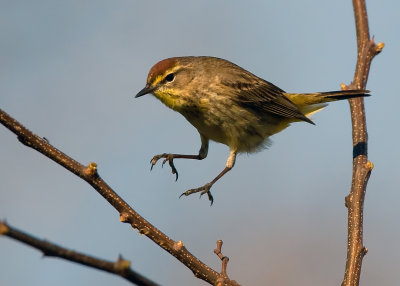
(202, 190)
(167, 157)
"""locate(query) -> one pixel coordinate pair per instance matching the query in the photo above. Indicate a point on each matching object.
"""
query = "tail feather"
(344, 94)
(310, 103)
(301, 99)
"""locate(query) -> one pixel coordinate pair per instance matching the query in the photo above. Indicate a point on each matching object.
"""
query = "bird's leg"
(206, 188)
(170, 157)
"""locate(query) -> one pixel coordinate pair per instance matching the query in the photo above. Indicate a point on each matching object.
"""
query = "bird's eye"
(170, 77)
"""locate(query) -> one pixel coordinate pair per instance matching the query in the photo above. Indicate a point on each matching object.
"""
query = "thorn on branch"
(3, 228)
(379, 47)
(124, 217)
(121, 265)
(347, 201)
(178, 245)
(144, 231)
(91, 169)
(374, 49)
(369, 165)
(364, 251)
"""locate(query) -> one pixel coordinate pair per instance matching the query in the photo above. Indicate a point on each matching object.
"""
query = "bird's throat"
(172, 101)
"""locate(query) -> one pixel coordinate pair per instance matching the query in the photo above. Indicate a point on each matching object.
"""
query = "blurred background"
(69, 71)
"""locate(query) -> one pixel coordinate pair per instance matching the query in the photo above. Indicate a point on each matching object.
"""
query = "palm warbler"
(229, 105)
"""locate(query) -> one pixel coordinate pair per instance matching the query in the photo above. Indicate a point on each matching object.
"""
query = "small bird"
(229, 105)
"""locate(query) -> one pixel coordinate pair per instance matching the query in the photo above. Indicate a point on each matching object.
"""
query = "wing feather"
(263, 96)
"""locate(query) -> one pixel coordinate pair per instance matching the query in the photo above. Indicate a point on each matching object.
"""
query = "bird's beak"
(147, 89)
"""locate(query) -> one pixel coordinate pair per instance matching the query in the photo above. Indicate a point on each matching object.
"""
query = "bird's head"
(169, 80)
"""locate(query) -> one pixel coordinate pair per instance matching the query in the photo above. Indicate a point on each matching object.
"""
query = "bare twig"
(121, 267)
(127, 213)
(224, 259)
(367, 50)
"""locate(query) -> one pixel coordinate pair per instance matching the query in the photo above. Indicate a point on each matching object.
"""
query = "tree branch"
(367, 50)
(121, 267)
(127, 213)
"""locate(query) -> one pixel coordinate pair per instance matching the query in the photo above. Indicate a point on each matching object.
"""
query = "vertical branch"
(362, 168)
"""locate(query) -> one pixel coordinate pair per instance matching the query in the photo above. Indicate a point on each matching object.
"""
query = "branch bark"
(127, 213)
(367, 50)
(121, 267)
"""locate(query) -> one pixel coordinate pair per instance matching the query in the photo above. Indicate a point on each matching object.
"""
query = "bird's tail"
(310, 103)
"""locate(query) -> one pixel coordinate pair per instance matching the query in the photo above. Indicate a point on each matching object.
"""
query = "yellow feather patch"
(204, 103)
(170, 100)
(312, 109)
(154, 79)
(157, 79)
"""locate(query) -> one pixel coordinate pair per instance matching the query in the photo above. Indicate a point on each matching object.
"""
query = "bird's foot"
(202, 190)
(167, 157)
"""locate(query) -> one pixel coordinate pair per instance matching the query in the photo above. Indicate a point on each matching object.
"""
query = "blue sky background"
(69, 71)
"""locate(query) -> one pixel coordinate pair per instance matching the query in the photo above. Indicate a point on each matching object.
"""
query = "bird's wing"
(263, 96)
